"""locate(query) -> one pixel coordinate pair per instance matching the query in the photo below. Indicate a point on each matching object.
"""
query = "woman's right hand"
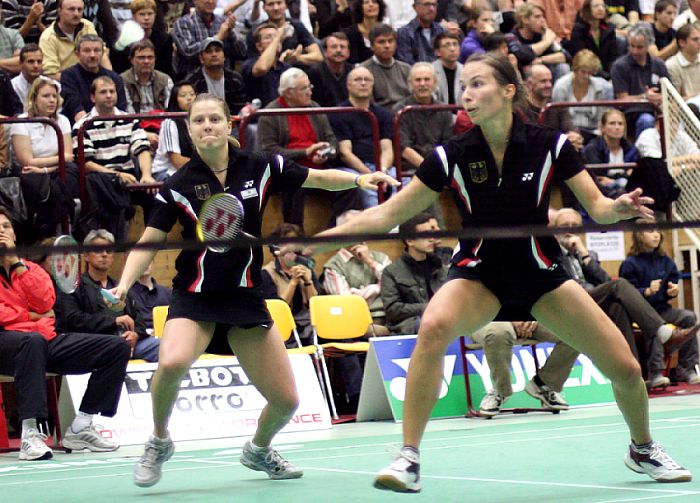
(26, 170)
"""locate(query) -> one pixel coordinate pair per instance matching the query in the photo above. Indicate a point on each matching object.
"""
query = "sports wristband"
(357, 180)
(308, 284)
(585, 257)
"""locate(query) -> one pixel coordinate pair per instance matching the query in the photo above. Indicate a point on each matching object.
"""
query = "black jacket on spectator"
(359, 52)
(234, 90)
(85, 311)
(164, 54)
(405, 290)
(329, 19)
(9, 101)
(605, 49)
(521, 48)
(329, 90)
(75, 90)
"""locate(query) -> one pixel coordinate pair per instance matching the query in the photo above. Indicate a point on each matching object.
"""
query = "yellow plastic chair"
(283, 318)
(339, 317)
(160, 314)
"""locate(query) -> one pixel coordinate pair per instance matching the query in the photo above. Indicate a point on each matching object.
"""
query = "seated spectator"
(479, 23)
(213, 77)
(560, 15)
(77, 80)
(415, 40)
(11, 44)
(592, 32)
(169, 11)
(111, 148)
(538, 81)
(291, 277)
(31, 66)
(85, 311)
(261, 74)
(354, 133)
(611, 147)
(58, 41)
(143, 296)
(366, 15)
(9, 101)
(191, 30)
(302, 138)
(390, 75)
(28, 17)
(664, 45)
(620, 300)
(580, 86)
(144, 13)
(35, 145)
(357, 270)
(689, 15)
(532, 42)
(299, 47)
(329, 77)
(32, 346)
(497, 42)
(447, 68)
(656, 276)
(497, 339)
(410, 282)
(333, 16)
(146, 88)
(637, 76)
(174, 144)
(623, 14)
(683, 151)
(684, 66)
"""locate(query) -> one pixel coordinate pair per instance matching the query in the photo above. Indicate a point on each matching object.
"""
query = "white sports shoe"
(403, 475)
(655, 462)
(148, 470)
(491, 404)
(269, 461)
(88, 438)
(34, 448)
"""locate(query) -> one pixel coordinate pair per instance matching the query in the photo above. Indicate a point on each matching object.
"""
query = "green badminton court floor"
(572, 457)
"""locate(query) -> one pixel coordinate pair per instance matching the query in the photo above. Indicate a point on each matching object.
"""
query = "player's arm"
(413, 199)
(334, 179)
(603, 209)
(138, 260)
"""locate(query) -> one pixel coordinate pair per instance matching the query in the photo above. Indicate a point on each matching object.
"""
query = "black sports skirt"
(242, 308)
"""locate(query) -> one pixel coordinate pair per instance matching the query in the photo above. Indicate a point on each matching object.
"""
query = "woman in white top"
(174, 143)
(36, 148)
(581, 85)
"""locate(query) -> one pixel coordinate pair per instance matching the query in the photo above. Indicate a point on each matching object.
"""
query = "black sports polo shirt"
(251, 177)
(536, 156)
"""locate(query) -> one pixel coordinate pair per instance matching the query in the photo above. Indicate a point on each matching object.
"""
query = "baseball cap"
(209, 41)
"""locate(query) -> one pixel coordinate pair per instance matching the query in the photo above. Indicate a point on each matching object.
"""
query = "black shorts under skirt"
(242, 308)
(517, 289)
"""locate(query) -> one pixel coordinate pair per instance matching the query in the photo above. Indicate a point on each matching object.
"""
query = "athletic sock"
(81, 421)
(411, 449)
(257, 448)
(639, 447)
(28, 425)
(664, 333)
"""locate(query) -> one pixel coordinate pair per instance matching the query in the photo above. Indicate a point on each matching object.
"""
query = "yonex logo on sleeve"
(527, 177)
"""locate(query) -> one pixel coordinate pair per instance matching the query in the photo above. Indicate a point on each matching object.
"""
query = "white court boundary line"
(682, 422)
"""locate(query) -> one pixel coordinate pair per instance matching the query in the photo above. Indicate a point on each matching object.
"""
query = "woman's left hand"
(26, 170)
(372, 180)
(633, 205)
(672, 290)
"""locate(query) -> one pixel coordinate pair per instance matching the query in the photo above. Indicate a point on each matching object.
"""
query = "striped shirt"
(188, 34)
(112, 144)
(15, 12)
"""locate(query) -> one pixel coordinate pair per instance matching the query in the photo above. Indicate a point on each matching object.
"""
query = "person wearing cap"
(213, 77)
(85, 311)
(189, 32)
(31, 345)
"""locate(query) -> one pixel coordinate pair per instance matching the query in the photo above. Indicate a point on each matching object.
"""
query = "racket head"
(220, 218)
(65, 266)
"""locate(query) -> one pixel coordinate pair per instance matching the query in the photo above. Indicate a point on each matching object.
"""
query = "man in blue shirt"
(415, 40)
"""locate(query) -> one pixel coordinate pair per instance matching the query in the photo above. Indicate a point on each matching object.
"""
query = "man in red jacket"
(30, 347)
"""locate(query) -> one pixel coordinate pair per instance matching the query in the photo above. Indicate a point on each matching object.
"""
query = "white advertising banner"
(609, 245)
(215, 400)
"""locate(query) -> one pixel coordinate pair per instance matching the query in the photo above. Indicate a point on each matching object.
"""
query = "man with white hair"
(419, 131)
(306, 139)
(354, 132)
(637, 76)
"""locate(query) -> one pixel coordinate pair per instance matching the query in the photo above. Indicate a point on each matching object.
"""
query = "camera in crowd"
(326, 152)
